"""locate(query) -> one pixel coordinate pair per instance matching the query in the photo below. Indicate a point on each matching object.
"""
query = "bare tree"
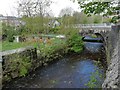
(66, 11)
(33, 7)
(36, 10)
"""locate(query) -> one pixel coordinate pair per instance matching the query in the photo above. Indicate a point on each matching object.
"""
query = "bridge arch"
(100, 36)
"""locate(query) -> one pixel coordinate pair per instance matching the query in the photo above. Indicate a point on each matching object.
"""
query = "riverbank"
(83, 70)
(74, 71)
(19, 62)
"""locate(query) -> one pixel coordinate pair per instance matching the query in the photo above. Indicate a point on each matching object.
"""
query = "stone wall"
(15, 60)
(113, 59)
(0, 75)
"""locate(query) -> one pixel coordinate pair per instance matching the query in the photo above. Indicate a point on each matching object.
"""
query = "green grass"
(14, 45)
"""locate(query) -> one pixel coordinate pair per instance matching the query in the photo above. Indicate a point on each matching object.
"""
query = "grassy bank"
(5, 45)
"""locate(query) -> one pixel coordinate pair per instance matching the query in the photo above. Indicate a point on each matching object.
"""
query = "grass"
(14, 45)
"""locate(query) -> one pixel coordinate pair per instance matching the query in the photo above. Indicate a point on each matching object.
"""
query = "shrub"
(74, 41)
(55, 50)
(9, 32)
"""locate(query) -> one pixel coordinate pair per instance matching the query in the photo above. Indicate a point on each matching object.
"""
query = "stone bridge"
(100, 30)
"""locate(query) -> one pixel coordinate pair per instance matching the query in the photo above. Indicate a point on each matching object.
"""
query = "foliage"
(93, 79)
(91, 83)
(36, 24)
(54, 30)
(75, 43)
(8, 31)
(81, 18)
(24, 66)
(17, 64)
(97, 19)
(103, 7)
(52, 51)
(73, 39)
(21, 30)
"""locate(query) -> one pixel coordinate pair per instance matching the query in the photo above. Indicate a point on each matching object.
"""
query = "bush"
(75, 43)
(9, 32)
(53, 51)
(54, 30)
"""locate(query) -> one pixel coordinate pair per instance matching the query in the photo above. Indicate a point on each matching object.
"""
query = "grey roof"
(8, 17)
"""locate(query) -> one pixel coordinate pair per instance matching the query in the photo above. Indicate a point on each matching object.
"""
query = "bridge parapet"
(95, 28)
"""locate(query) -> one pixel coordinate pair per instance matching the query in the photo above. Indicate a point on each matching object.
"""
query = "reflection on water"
(71, 72)
(94, 47)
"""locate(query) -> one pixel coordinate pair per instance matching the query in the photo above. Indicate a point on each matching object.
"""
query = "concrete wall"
(113, 59)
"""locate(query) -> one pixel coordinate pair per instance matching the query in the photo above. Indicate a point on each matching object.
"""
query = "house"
(11, 20)
(54, 23)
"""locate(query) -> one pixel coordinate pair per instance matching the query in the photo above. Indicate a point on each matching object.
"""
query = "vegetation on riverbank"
(52, 49)
(93, 80)
(16, 66)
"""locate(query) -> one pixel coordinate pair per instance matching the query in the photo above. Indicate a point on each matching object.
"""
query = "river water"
(74, 71)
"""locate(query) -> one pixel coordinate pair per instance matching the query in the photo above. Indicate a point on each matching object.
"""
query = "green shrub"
(9, 31)
(53, 51)
(75, 43)
(54, 30)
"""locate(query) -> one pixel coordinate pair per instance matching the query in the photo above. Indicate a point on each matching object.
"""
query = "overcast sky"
(7, 7)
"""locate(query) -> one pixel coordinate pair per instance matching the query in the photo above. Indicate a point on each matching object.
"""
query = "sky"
(8, 7)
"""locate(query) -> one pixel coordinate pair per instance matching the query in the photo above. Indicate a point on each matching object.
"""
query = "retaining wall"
(113, 59)
(14, 60)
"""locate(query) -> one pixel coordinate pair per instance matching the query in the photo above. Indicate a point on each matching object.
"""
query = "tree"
(97, 19)
(81, 18)
(103, 8)
(33, 7)
(35, 13)
(68, 11)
